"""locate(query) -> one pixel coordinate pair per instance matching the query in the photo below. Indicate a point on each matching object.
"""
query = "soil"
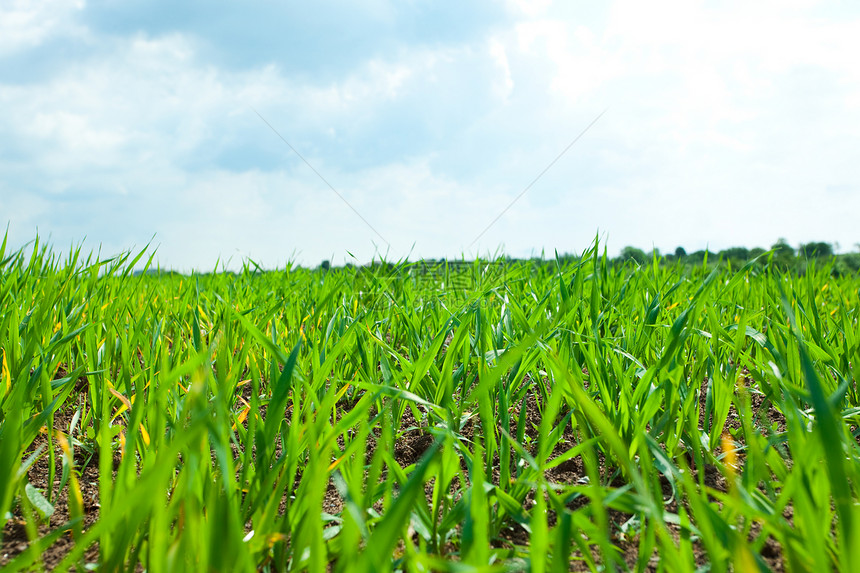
(15, 539)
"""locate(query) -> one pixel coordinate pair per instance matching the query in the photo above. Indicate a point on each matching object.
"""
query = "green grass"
(544, 416)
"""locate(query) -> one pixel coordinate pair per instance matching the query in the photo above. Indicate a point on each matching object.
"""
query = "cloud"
(726, 126)
(139, 141)
(738, 116)
(25, 25)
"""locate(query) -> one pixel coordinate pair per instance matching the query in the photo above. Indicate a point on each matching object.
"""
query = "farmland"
(555, 415)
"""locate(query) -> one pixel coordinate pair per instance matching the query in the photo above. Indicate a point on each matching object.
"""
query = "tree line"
(781, 254)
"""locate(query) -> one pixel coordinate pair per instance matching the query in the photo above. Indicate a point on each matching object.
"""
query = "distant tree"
(697, 256)
(783, 254)
(735, 253)
(756, 252)
(852, 261)
(847, 264)
(680, 252)
(781, 247)
(633, 254)
(325, 265)
(813, 250)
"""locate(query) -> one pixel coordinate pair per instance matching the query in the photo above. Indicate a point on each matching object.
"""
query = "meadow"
(554, 415)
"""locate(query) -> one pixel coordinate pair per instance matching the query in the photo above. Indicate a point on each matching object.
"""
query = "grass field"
(535, 416)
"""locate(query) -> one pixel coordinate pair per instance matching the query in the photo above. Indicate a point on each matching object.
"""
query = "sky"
(408, 128)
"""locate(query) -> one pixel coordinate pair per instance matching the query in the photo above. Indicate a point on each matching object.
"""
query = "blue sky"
(731, 123)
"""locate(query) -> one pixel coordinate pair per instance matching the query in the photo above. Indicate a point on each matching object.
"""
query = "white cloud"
(374, 85)
(26, 24)
(498, 52)
(126, 123)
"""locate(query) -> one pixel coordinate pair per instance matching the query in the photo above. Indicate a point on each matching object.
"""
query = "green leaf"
(42, 505)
